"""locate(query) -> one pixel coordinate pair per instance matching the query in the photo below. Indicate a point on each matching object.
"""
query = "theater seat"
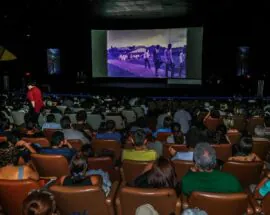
(84, 199)
(162, 136)
(164, 201)
(43, 142)
(13, 193)
(99, 145)
(253, 122)
(76, 144)
(261, 148)
(223, 151)
(217, 203)
(181, 168)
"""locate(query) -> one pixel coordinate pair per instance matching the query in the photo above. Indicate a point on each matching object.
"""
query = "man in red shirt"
(34, 95)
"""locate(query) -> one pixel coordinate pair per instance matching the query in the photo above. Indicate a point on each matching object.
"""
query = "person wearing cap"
(34, 95)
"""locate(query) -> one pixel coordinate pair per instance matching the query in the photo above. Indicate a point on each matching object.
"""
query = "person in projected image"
(169, 60)
(157, 59)
(182, 58)
(146, 57)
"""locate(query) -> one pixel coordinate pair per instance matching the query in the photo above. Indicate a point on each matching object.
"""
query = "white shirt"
(183, 117)
(146, 55)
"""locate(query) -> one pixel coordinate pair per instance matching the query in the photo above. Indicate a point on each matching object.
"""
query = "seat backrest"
(239, 123)
(266, 204)
(76, 144)
(119, 122)
(261, 148)
(213, 123)
(223, 151)
(94, 120)
(18, 117)
(48, 132)
(139, 111)
(234, 137)
(182, 167)
(217, 203)
(58, 117)
(246, 172)
(253, 122)
(13, 193)
(72, 118)
(163, 200)
(104, 163)
(50, 165)
(99, 145)
(80, 200)
(162, 136)
(177, 147)
(43, 142)
(132, 169)
(130, 115)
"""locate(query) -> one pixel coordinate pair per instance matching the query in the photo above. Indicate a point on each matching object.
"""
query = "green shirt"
(212, 182)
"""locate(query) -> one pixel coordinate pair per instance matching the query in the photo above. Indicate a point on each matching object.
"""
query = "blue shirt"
(51, 125)
(66, 152)
(162, 130)
(109, 136)
(135, 128)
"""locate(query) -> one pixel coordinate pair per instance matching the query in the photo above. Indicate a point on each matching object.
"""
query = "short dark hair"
(267, 121)
(50, 118)
(246, 145)
(57, 138)
(31, 83)
(139, 137)
(110, 125)
(65, 122)
(81, 116)
(167, 122)
(162, 174)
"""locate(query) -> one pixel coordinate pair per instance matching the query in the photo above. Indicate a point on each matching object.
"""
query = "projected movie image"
(53, 61)
(159, 53)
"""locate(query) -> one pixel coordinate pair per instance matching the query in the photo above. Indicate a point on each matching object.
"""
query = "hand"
(21, 143)
(172, 151)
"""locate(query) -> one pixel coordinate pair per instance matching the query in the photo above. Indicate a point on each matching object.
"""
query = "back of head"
(65, 122)
(162, 174)
(195, 211)
(246, 145)
(78, 167)
(139, 137)
(81, 116)
(193, 137)
(50, 118)
(57, 138)
(39, 202)
(110, 125)
(167, 122)
(204, 156)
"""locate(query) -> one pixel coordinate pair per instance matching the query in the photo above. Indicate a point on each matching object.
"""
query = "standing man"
(146, 57)
(156, 59)
(169, 60)
(35, 98)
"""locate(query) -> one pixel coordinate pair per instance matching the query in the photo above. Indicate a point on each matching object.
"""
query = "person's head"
(65, 122)
(195, 211)
(81, 116)
(215, 114)
(50, 118)
(57, 138)
(78, 167)
(267, 121)
(162, 174)
(246, 145)
(193, 137)
(30, 85)
(169, 46)
(259, 131)
(39, 202)
(204, 156)
(140, 138)
(167, 122)
(110, 125)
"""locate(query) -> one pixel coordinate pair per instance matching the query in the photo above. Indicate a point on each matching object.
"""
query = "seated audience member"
(160, 174)
(166, 127)
(193, 137)
(183, 118)
(78, 177)
(204, 178)
(68, 111)
(161, 117)
(110, 133)
(81, 124)
(72, 134)
(50, 123)
(195, 211)
(39, 202)
(9, 168)
(177, 137)
(229, 123)
(140, 124)
(59, 146)
(219, 136)
(31, 129)
(245, 151)
(140, 151)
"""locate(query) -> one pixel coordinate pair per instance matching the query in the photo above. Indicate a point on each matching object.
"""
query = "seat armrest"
(253, 206)
(178, 206)
(185, 204)
(110, 198)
